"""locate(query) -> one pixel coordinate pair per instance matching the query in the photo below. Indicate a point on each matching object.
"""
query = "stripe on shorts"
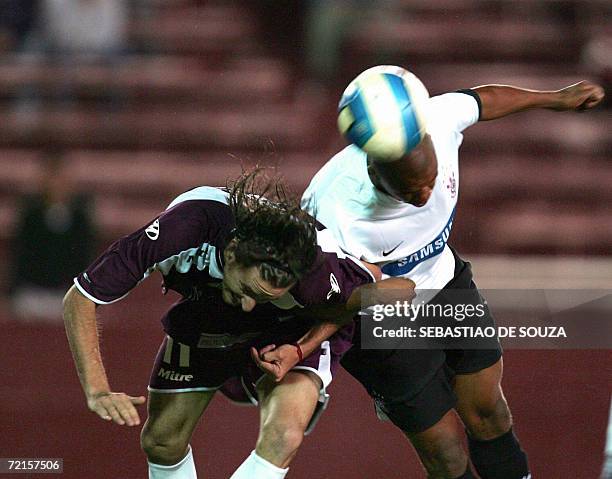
(168, 352)
(184, 356)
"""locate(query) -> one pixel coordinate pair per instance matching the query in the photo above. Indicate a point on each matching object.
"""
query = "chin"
(227, 298)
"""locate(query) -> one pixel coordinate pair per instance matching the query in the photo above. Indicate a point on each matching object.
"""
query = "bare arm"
(82, 331)
(277, 361)
(498, 101)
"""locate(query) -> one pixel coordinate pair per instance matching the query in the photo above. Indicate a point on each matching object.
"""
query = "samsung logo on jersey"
(434, 248)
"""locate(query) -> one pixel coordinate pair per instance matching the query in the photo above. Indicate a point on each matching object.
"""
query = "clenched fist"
(579, 96)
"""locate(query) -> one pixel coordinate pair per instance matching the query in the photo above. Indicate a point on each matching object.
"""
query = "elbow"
(69, 297)
(74, 302)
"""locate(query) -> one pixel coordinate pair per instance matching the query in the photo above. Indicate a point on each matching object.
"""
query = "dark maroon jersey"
(185, 244)
(187, 238)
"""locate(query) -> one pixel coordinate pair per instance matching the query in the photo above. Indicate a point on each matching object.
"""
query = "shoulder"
(318, 285)
(455, 110)
(203, 203)
(332, 278)
(348, 156)
(350, 160)
(202, 193)
(347, 166)
(455, 101)
(197, 216)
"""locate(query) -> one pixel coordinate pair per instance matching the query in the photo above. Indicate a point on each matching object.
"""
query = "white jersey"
(403, 239)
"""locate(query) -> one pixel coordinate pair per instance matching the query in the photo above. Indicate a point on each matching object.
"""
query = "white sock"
(607, 471)
(256, 467)
(185, 469)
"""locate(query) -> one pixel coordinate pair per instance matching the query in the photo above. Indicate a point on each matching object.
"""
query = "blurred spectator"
(328, 24)
(85, 27)
(54, 240)
(282, 27)
(68, 33)
(311, 33)
(17, 18)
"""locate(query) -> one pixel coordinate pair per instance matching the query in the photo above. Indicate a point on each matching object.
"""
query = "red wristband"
(299, 351)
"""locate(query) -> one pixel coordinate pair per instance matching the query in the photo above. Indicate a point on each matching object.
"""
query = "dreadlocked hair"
(272, 231)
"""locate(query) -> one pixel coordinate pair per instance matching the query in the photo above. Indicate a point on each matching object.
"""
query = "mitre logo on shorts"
(152, 231)
(173, 375)
(335, 287)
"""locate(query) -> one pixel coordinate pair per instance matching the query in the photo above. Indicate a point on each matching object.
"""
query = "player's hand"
(579, 96)
(116, 407)
(276, 361)
(389, 291)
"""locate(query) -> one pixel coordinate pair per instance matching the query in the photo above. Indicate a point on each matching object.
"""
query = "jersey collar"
(215, 268)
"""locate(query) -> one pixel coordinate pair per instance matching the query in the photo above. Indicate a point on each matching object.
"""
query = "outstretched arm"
(82, 331)
(498, 101)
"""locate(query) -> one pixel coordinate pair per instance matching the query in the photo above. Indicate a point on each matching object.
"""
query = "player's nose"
(247, 304)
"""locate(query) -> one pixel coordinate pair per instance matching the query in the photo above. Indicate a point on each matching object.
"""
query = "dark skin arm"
(411, 179)
(502, 100)
(277, 361)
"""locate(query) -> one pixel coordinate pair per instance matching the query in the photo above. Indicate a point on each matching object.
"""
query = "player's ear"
(229, 254)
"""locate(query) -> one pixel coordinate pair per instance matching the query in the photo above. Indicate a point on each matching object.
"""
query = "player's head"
(274, 244)
(410, 179)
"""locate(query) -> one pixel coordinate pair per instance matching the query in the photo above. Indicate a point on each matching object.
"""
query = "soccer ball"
(382, 112)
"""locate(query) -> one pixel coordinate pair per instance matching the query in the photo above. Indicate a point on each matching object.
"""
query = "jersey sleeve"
(331, 281)
(456, 111)
(129, 260)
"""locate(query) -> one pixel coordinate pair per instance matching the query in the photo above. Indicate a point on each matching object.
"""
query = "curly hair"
(272, 231)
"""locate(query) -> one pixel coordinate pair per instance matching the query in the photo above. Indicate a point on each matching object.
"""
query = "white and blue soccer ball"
(382, 111)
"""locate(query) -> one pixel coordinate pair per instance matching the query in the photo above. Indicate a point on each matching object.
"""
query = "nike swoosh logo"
(387, 253)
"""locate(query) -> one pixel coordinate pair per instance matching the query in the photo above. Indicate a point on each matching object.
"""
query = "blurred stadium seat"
(198, 81)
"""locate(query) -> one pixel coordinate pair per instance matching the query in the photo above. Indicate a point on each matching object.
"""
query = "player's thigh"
(182, 382)
(481, 403)
(421, 410)
(173, 417)
(290, 403)
(427, 418)
(480, 390)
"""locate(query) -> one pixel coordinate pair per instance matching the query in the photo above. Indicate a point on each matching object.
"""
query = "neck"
(374, 178)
